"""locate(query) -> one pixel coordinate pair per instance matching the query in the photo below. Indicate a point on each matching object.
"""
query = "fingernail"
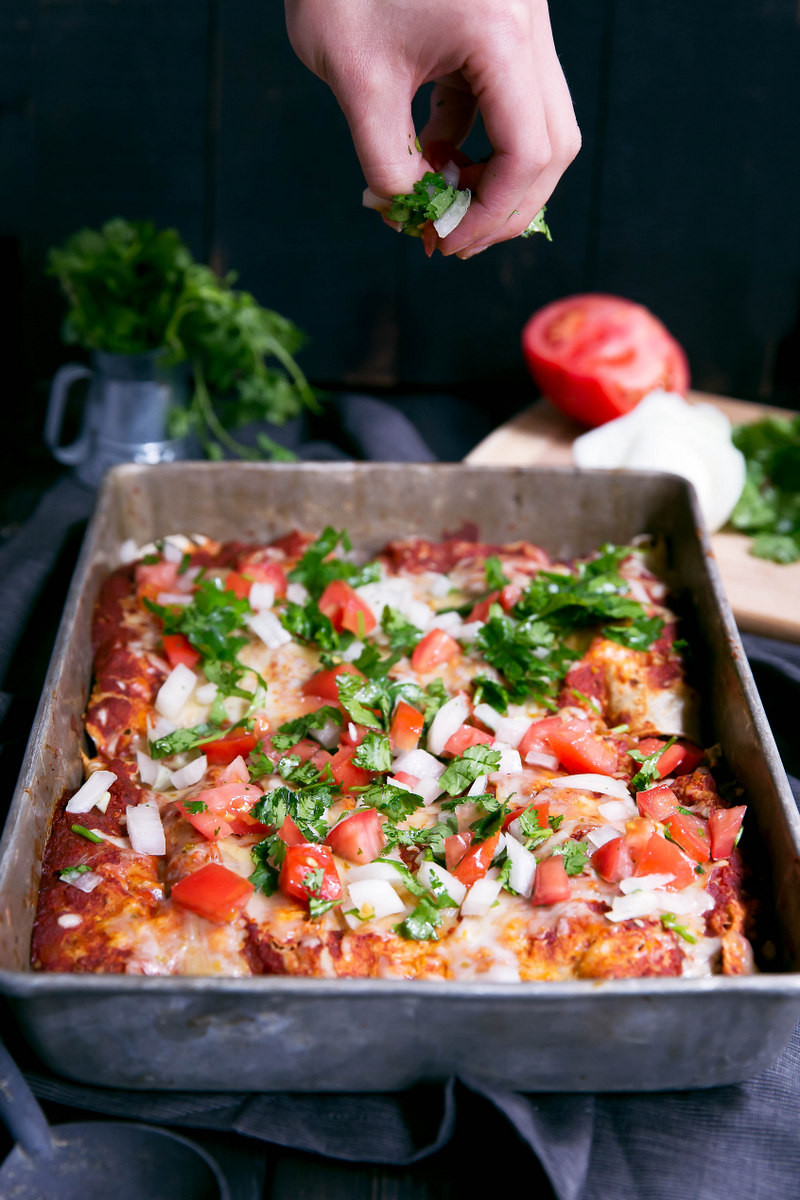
(471, 251)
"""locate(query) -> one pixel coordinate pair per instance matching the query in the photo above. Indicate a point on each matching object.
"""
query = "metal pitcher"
(125, 417)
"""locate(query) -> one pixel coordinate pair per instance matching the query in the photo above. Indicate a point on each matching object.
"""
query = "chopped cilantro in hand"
(430, 199)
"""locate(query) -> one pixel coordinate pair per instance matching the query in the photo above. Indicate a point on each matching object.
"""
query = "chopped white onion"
(451, 173)
(370, 200)
(172, 552)
(537, 758)
(644, 883)
(175, 691)
(429, 789)
(511, 730)
(297, 593)
(602, 834)
(510, 761)
(420, 763)
(166, 599)
(193, 772)
(523, 867)
(206, 693)
(449, 622)
(454, 215)
(638, 904)
(398, 783)
(450, 717)
(478, 788)
(145, 829)
(262, 595)
(91, 791)
(374, 870)
(122, 842)
(480, 897)
(103, 802)
(128, 551)
(162, 728)
(470, 630)
(353, 651)
(690, 901)
(431, 875)
(617, 810)
(327, 735)
(148, 767)
(266, 625)
(488, 716)
(84, 881)
(373, 898)
(594, 783)
(438, 584)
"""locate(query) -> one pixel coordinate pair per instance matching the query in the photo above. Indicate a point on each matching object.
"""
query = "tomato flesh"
(345, 608)
(657, 802)
(477, 860)
(237, 743)
(455, 847)
(179, 650)
(299, 873)
(359, 838)
(551, 882)
(211, 824)
(613, 860)
(406, 728)
(213, 892)
(661, 857)
(344, 771)
(466, 735)
(723, 826)
(323, 683)
(579, 750)
(435, 648)
(691, 834)
(595, 356)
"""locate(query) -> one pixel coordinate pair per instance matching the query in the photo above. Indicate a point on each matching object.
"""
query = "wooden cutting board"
(764, 596)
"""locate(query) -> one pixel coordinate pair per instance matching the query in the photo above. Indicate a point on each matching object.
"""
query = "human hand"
(496, 55)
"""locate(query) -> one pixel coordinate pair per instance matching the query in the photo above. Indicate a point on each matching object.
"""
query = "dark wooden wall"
(195, 113)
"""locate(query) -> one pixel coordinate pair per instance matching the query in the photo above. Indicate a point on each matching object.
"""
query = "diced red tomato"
(691, 834)
(345, 773)
(657, 802)
(154, 578)
(345, 608)
(323, 683)
(406, 728)
(596, 356)
(236, 743)
(213, 892)
(435, 648)
(234, 772)
(535, 736)
(613, 861)
(466, 735)
(551, 882)
(211, 824)
(579, 749)
(298, 872)
(542, 813)
(352, 734)
(681, 758)
(637, 834)
(404, 777)
(230, 798)
(289, 833)
(179, 650)
(723, 826)
(661, 857)
(455, 847)
(359, 838)
(480, 611)
(245, 823)
(477, 860)
(238, 584)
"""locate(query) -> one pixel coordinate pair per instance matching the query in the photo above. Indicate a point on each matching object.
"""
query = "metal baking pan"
(270, 1032)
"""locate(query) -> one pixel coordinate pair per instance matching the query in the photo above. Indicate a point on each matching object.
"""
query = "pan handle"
(62, 382)
(20, 1111)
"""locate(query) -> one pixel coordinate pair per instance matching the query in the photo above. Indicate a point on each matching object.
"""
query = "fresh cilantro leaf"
(421, 924)
(648, 772)
(432, 837)
(83, 832)
(638, 635)
(374, 753)
(402, 634)
(316, 906)
(294, 770)
(574, 855)
(358, 697)
(181, 740)
(462, 772)
(69, 873)
(291, 732)
(495, 576)
(538, 225)
(528, 654)
(316, 568)
(670, 921)
(312, 880)
(489, 691)
(210, 621)
(307, 623)
(195, 806)
(307, 806)
(265, 875)
(430, 198)
(259, 764)
(395, 802)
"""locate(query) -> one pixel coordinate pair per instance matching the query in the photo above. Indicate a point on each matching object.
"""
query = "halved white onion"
(175, 691)
(193, 772)
(454, 214)
(145, 829)
(450, 717)
(91, 791)
(594, 783)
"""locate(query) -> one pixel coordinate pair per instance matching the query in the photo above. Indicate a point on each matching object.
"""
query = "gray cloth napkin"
(726, 1142)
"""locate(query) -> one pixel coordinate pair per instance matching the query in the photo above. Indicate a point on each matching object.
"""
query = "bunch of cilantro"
(769, 506)
(133, 289)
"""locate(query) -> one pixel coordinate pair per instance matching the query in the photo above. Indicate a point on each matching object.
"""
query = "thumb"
(384, 136)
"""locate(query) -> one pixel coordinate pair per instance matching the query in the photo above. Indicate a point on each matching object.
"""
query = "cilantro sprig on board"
(769, 506)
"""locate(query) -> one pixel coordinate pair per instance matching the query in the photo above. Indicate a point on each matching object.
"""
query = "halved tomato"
(359, 838)
(595, 356)
(213, 892)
